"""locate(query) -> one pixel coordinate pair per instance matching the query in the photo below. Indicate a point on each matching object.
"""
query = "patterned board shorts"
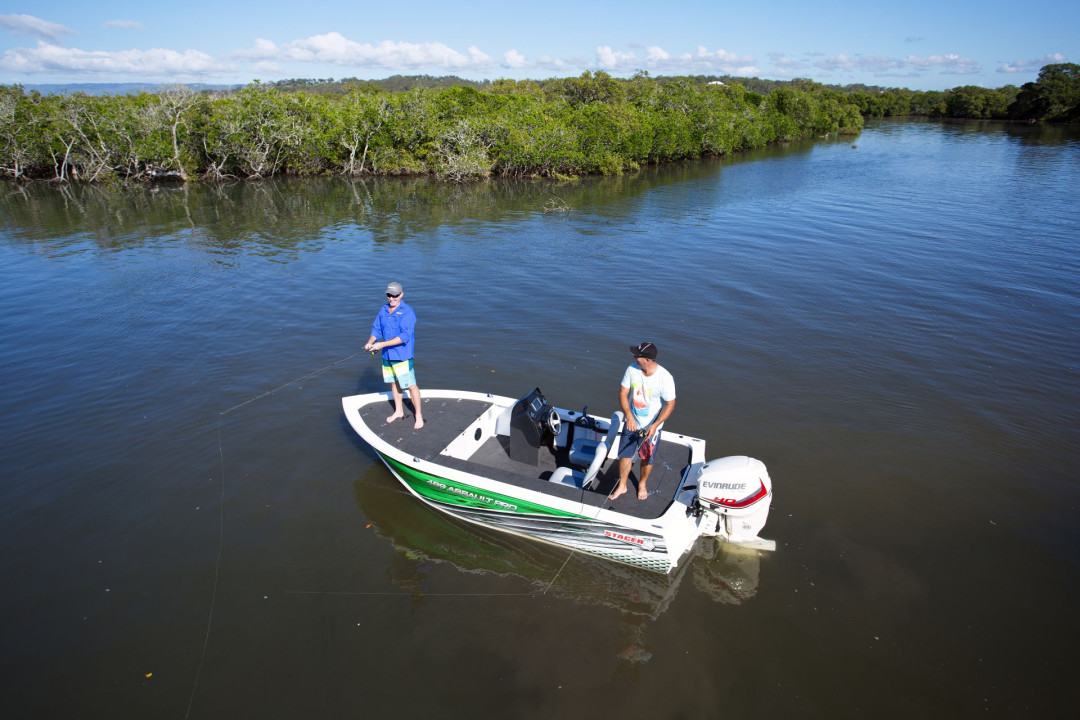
(631, 443)
(400, 371)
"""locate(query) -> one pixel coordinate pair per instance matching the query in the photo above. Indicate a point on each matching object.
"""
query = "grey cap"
(394, 288)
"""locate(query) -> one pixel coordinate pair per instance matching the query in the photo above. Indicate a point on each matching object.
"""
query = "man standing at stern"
(646, 397)
(396, 324)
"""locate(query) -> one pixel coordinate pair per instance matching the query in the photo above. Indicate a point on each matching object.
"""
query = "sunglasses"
(393, 296)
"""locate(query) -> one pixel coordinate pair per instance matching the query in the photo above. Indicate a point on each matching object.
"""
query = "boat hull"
(512, 514)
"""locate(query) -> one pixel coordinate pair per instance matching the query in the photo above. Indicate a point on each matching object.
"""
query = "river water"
(890, 322)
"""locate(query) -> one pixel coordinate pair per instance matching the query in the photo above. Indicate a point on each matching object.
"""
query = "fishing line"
(217, 572)
(221, 536)
(221, 518)
(291, 382)
(552, 583)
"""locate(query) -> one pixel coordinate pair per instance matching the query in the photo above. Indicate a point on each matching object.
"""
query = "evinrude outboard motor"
(735, 493)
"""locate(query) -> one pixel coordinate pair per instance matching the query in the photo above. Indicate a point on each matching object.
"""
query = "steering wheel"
(553, 422)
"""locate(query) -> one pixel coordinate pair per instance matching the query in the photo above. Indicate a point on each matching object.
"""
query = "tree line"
(1053, 97)
(591, 124)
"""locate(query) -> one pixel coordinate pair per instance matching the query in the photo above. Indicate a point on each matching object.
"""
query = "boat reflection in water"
(424, 541)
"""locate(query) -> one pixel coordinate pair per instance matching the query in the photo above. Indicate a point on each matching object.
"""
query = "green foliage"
(21, 146)
(593, 123)
(459, 129)
(967, 101)
(970, 101)
(1053, 97)
(589, 88)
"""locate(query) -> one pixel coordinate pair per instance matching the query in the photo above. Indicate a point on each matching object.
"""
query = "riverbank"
(591, 125)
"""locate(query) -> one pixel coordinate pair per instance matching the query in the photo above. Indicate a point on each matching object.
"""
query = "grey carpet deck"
(446, 418)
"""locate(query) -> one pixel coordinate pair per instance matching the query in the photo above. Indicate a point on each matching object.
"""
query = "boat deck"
(446, 418)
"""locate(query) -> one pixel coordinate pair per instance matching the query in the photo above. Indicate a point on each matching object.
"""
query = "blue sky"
(918, 44)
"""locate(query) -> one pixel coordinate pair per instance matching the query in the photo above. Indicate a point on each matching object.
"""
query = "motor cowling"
(739, 491)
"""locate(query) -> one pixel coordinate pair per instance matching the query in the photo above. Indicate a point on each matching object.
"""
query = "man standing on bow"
(646, 397)
(396, 323)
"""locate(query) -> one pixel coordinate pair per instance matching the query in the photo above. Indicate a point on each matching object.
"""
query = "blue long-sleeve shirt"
(400, 324)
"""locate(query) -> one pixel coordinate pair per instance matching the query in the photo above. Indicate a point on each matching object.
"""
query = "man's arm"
(624, 405)
(376, 330)
(386, 343)
(665, 413)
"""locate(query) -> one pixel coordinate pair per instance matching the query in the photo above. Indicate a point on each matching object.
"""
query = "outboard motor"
(737, 492)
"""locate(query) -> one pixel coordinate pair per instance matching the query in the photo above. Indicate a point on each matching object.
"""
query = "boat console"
(530, 419)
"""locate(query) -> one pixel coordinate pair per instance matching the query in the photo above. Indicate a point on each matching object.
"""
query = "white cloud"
(609, 59)
(656, 55)
(514, 59)
(123, 25)
(335, 49)
(783, 66)
(860, 63)
(49, 58)
(949, 64)
(35, 27)
(880, 66)
(1031, 66)
(838, 62)
(656, 58)
(719, 61)
(547, 62)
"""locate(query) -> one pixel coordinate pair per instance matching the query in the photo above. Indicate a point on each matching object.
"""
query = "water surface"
(190, 529)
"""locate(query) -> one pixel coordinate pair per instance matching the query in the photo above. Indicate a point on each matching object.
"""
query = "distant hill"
(394, 83)
(116, 88)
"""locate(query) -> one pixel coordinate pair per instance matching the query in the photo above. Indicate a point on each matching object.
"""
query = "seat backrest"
(614, 428)
(602, 449)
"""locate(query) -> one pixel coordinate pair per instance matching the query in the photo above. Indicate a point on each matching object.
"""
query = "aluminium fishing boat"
(527, 467)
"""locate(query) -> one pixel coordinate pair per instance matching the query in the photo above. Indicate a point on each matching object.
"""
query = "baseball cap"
(393, 288)
(645, 350)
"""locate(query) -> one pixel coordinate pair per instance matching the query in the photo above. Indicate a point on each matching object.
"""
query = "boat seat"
(583, 451)
(587, 478)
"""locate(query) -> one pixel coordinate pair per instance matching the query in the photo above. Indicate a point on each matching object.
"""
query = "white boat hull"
(464, 473)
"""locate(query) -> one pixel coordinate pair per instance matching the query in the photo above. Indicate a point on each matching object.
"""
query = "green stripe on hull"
(451, 492)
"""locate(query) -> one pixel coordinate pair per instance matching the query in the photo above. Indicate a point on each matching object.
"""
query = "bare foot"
(418, 424)
(642, 493)
(395, 416)
(618, 491)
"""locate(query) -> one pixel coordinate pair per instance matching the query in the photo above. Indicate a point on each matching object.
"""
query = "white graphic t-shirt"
(648, 393)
